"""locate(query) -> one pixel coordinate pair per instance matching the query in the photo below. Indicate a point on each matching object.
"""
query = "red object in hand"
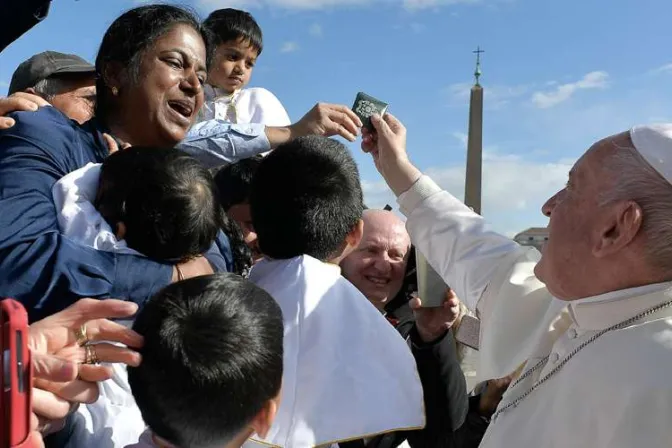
(16, 376)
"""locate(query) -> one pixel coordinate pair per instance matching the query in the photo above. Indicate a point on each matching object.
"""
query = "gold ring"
(90, 356)
(81, 336)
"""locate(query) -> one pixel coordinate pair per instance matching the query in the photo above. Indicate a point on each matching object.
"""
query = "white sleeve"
(267, 108)
(78, 219)
(490, 273)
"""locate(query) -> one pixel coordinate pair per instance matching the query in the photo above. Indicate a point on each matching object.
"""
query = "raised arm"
(216, 142)
(491, 273)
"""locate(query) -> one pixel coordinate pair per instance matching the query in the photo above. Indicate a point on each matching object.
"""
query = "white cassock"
(114, 420)
(615, 393)
(348, 374)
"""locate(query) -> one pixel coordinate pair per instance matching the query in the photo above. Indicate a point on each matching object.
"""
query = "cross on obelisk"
(472, 189)
(477, 73)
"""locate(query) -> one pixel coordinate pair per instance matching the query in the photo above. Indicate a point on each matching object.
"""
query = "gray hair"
(48, 88)
(636, 180)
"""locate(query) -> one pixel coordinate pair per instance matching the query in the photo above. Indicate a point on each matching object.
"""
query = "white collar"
(605, 310)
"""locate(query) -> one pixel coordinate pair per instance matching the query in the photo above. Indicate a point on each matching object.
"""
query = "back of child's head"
(306, 198)
(234, 181)
(164, 200)
(230, 24)
(211, 360)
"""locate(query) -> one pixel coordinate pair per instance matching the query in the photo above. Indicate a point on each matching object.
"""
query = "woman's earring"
(115, 91)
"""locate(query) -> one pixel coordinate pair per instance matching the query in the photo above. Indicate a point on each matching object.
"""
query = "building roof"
(533, 231)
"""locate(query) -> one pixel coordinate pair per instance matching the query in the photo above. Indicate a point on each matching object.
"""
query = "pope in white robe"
(596, 334)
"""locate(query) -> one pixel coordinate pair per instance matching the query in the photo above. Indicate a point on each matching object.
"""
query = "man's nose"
(382, 264)
(549, 205)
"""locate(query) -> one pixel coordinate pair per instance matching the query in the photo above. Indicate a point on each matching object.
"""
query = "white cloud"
(592, 80)
(321, 4)
(316, 30)
(462, 137)
(284, 4)
(424, 4)
(667, 68)
(494, 97)
(289, 47)
(508, 188)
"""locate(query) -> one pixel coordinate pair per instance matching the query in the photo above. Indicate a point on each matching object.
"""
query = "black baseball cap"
(43, 65)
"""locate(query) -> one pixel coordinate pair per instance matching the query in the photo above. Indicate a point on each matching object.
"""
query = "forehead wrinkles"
(390, 238)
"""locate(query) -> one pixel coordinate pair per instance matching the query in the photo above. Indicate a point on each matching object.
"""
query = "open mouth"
(184, 108)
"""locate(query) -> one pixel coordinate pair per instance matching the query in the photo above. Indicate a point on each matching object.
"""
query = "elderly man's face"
(78, 98)
(378, 265)
(578, 222)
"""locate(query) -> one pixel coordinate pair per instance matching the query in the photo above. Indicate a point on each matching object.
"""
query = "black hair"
(165, 198)
(230, 24)
(130, 35)
(211, 359)
(234, 181)
(306, 197)
(242, 255)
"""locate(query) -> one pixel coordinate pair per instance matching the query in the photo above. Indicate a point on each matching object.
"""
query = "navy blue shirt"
(40, 267)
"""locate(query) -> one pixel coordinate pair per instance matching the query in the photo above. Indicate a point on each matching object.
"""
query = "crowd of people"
(199, 271)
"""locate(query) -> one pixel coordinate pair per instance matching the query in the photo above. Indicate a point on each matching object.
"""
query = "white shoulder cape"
(348, 374)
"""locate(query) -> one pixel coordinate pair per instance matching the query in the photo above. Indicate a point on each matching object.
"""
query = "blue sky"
(558, 76)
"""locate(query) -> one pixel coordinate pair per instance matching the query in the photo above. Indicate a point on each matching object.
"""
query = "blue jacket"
(40, 267)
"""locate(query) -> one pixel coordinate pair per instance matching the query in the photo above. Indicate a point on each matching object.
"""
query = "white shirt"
(74, 196)
(348, 374)
(253, 105)
(615, 393)
(114, 419)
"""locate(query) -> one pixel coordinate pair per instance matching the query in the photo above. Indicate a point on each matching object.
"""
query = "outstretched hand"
(328, 120)
(387, 146)
(62, 380)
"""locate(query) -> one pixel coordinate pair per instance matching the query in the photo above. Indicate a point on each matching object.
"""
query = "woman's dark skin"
(159, 108)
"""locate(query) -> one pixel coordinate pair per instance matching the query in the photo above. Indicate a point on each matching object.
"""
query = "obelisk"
(472, 189)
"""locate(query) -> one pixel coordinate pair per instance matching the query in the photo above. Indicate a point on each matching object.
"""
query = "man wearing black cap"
(66, 81)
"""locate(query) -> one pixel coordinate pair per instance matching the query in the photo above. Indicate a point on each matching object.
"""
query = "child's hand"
(112, 144)
(328, 120)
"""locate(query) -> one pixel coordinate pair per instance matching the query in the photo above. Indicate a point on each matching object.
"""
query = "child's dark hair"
(242, 255)
(306, 198)
(211, 359)
(234, 181)
(230, 24)
(165, 199)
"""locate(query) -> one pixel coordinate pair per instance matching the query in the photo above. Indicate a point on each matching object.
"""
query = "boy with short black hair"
(228, 104)
(212, 363)
(348, 373)
(239, 42)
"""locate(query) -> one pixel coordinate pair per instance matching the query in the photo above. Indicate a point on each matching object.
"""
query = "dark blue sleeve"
(220, 255)
(38, 266)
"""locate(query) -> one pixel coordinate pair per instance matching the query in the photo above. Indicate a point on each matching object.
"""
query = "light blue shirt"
(216, 142)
